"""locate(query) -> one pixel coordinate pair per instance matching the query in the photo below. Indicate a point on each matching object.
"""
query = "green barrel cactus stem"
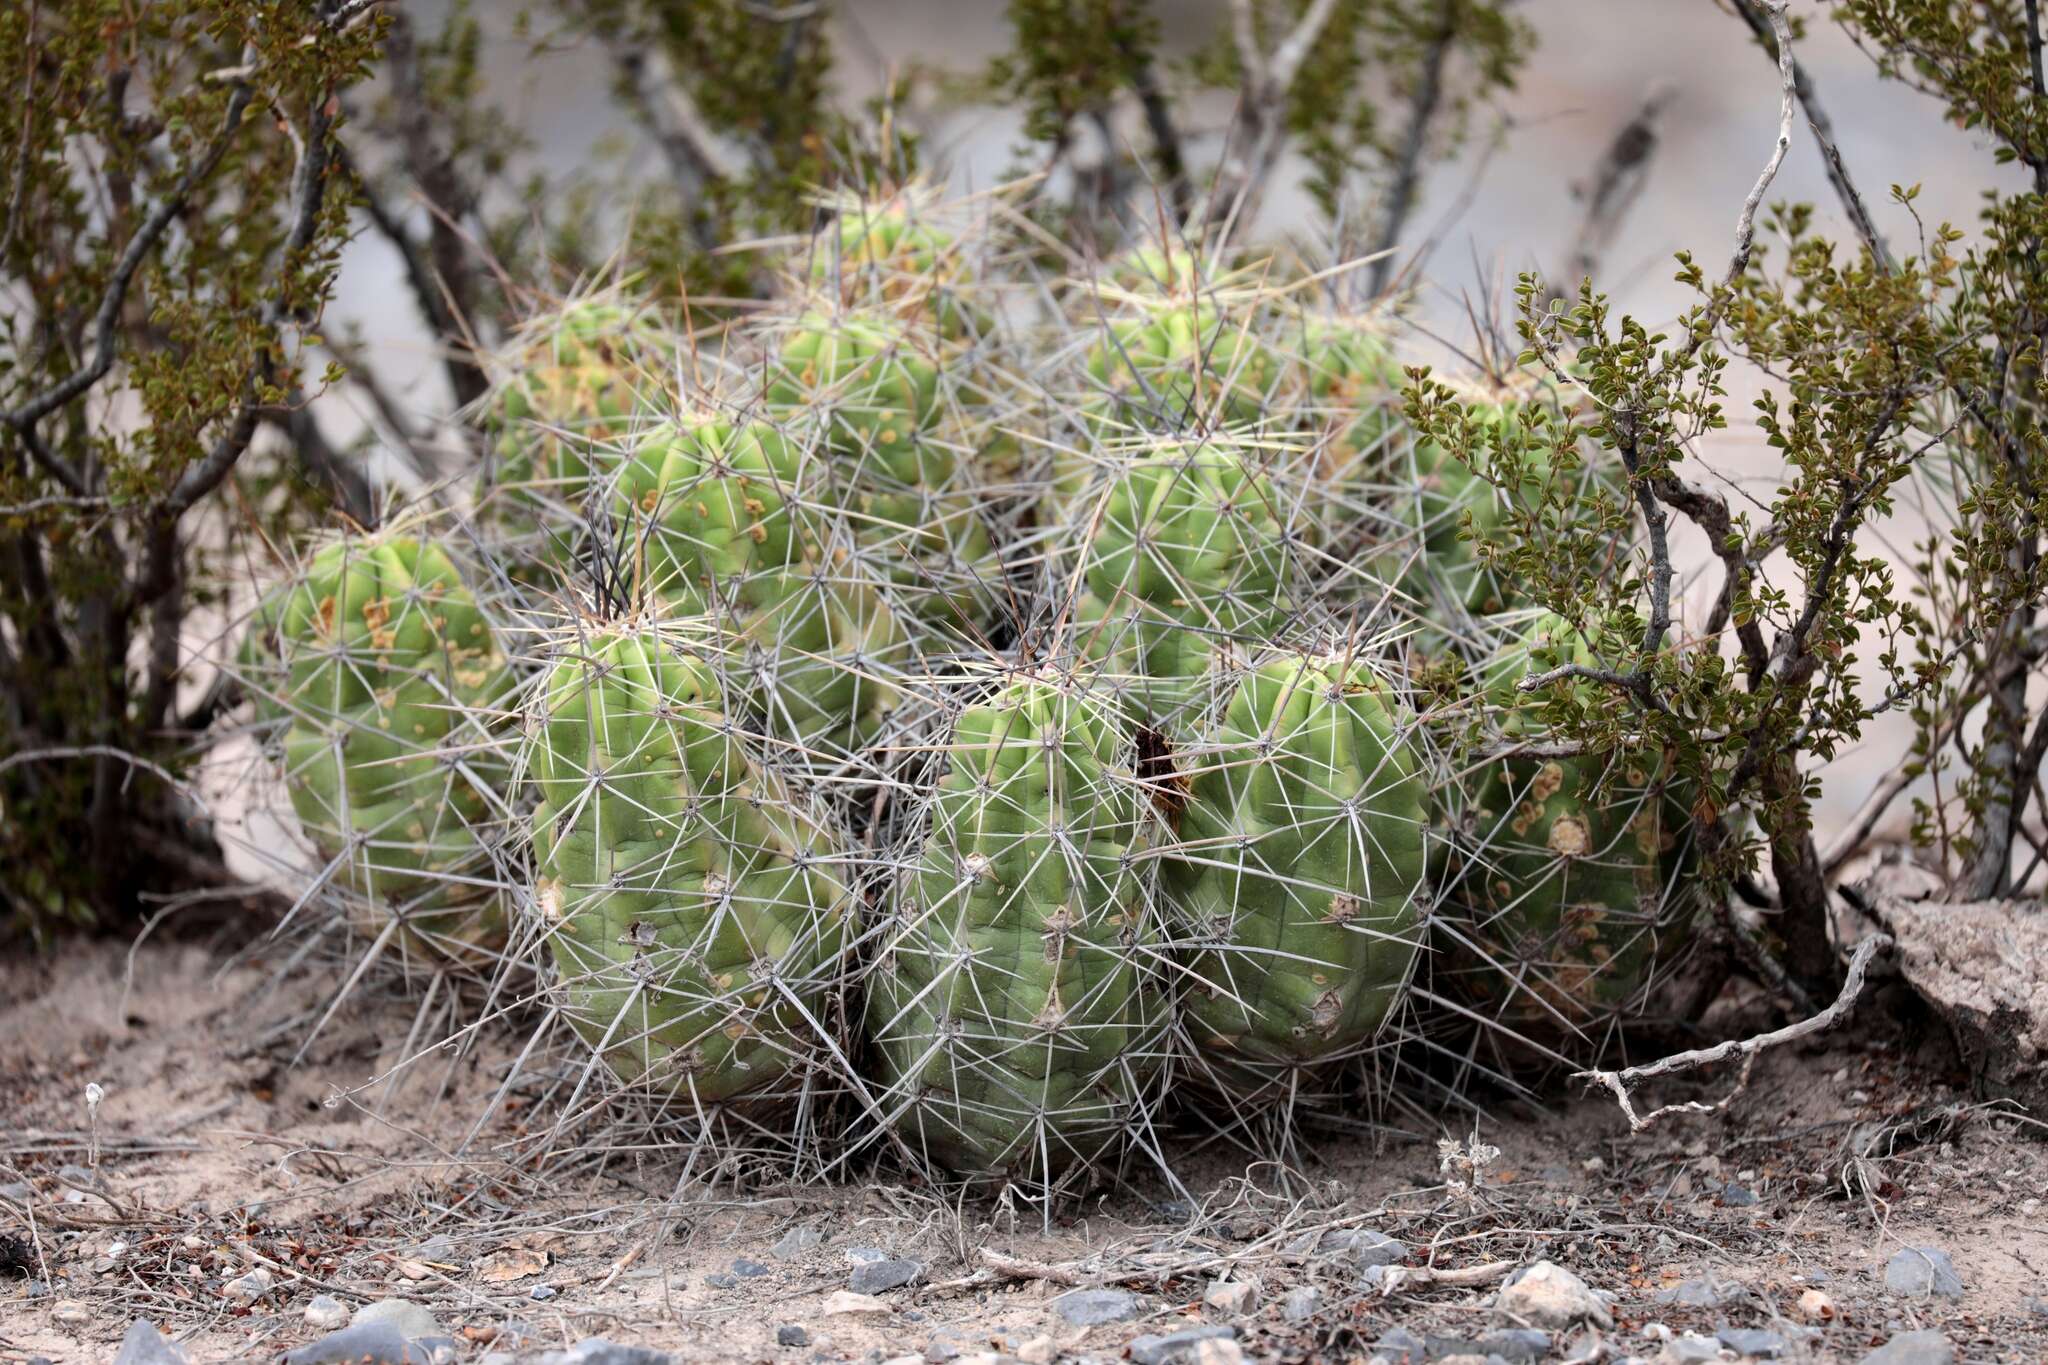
(1015, 1014)
(1298, 873)
(574, 383)
(1572, 893)
(898, 252)
(870, 385)
(721, 528)
(692, 905)
(1189, 559)
(390, 685)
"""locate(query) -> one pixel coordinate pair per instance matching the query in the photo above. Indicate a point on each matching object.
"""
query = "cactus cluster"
(1017, 703)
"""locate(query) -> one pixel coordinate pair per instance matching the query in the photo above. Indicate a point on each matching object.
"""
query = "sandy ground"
(212, 1153)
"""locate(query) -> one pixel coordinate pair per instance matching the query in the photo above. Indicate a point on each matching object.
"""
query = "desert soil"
(214, 1150)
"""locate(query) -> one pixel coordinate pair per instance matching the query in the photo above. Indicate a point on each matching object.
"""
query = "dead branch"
(106, 318)
(1159, 122)
(1259, 131)
(695, 159)
(1016, 1268)
(1422, 110)
(1619, 1082)
(444, 277)
(1612, 190)
(1823, 134)
(1406, 1279)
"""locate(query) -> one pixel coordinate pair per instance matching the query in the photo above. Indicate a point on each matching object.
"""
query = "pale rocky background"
(1596, 61)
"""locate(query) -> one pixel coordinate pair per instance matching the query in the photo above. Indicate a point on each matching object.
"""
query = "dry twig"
(1618, 1082)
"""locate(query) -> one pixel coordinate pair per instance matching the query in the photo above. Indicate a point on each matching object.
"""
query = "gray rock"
(1301, 1304)
(439, 1250)
(371, 1343)
(1516, 1344)
(2037, 1306)
(144, 1345)
(1402, 1347)
(720, 1280)
(1753, 1341)
(325, 1312)
(1706, 1292)
(20, 1191)
(952, 1342)
(1095, 1307)
(250, 1287)
(792, 1334)
(541, 1293)
(1548, 1295)
(1175, 1347)
(1230, 1297)
(1373, 1276)
(865, 1255)
(598, 1351)
(797, 1242)
(748, 1270)
(1692, 1349)
(1913, 1348)
(1922, 1272)
(1739, 1196)
(402, 1316)
(874, 1277)
(1368, 1248)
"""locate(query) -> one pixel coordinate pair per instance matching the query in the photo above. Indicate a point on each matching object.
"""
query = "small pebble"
(720, 1280)
(144, 1345)
(1516, 1344)
(1922, 1272)
(796, 1242)
(748, 1270)
(373, 1343)
(1232, 1298)
(1816, 1306)
(876, 1277)
(403, 1316)
(1548, 1295)
(1692, 1349)
(1301, 1304)
(1401, 1347)
(792, 1334)
(1913, 1348)
(1176, 1347)
(845, 1303)
(1095, 1307)
(1039, 1350)
(248, 1288)
(1753, 1341)
(325, 1313)
(542, 1292)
